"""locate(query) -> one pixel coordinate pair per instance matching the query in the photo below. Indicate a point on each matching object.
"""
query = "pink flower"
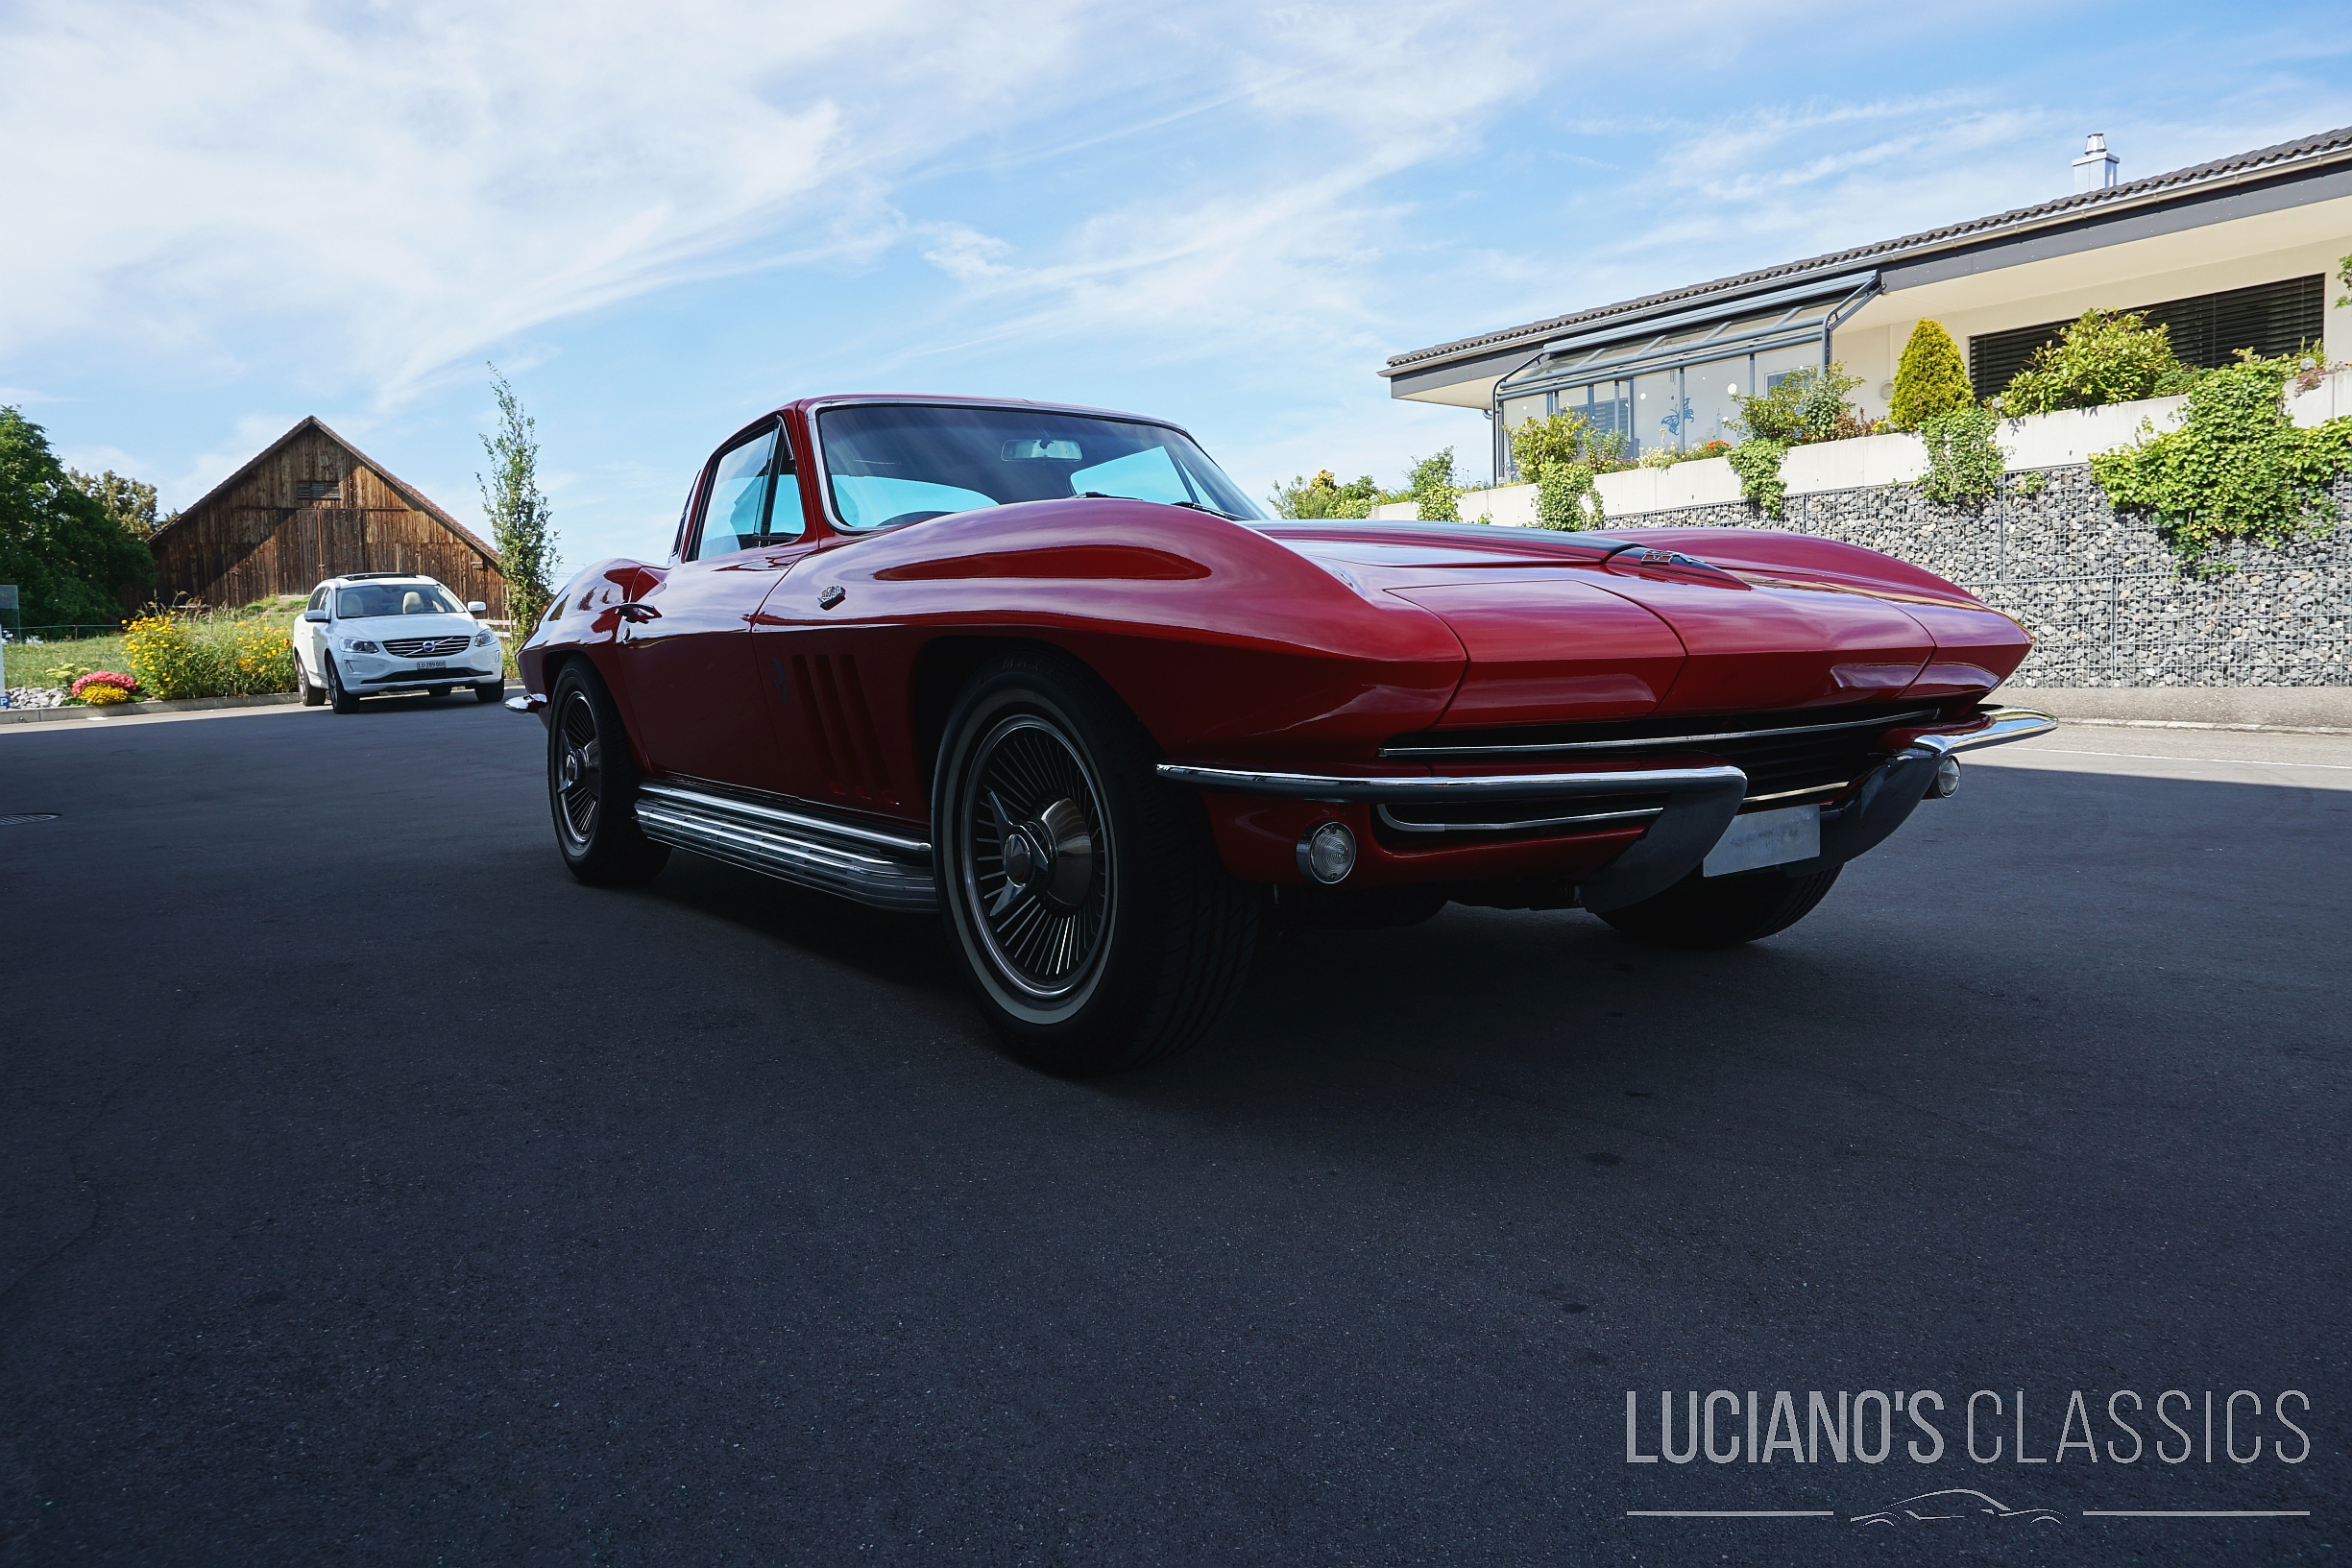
(105, 677)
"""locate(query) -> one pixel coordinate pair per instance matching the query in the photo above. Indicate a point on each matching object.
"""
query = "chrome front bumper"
(1699, 802)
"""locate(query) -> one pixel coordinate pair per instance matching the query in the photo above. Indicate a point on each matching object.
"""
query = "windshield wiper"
(1098, 496)
(1210, 509)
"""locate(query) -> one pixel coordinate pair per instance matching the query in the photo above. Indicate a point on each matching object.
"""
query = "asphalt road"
(370, 1192)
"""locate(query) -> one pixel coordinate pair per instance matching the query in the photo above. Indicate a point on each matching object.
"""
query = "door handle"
(634, 610)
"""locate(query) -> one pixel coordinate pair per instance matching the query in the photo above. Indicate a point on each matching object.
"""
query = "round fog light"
(1327, 852)
(1946, 779)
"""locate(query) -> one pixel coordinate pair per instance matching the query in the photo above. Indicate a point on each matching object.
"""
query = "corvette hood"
(1619, 625)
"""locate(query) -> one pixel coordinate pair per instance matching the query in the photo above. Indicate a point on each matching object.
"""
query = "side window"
(736, 511)
(318, 598)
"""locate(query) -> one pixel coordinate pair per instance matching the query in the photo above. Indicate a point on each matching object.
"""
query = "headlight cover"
(483, 639)
(359, 646)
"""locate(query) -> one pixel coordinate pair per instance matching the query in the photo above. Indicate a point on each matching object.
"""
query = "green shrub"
(1564, 437)
(1806, 405)
(1963, 464)
(2237, 469)
(1931, 380)
(2101, 357)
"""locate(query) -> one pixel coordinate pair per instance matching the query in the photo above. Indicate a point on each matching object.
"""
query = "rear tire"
(490, 691)
(440, 691)
(1702, 911)
(312, 695)
(592, 787)
(344, 701)
(1084, 897)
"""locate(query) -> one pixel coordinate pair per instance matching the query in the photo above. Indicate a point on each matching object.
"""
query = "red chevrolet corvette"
(1048, 671)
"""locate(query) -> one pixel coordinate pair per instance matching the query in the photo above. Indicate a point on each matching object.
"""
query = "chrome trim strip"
(2008, 724)
(1666, 742)
(1388, 819)
(1319, 787)
(792, 824)
(811, 850)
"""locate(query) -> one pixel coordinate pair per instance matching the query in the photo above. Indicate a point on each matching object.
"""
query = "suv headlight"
(483, 639)
(359, 646)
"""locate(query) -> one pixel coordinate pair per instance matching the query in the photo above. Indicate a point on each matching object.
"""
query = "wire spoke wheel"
(579, 778)
(1036, 865)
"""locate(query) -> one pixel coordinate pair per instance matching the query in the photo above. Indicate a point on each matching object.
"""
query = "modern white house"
(2239, 252)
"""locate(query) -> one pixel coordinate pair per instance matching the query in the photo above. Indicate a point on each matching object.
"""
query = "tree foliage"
(518, 511)
(1931, 379)
(1324, 497)
(129, 502)
(1431, 480)
(2103, 357)
(1562, 437)
(70, 561)
(2237, 469)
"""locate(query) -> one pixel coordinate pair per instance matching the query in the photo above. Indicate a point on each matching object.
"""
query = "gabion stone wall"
(2097, 591)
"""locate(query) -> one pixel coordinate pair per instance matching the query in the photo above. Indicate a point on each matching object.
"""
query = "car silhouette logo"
(1957, 1503)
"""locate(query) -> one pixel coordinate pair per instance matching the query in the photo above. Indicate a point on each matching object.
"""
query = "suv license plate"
(433, 664)
(1766, 839)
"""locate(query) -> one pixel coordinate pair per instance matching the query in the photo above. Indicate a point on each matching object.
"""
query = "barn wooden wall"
(256, 539)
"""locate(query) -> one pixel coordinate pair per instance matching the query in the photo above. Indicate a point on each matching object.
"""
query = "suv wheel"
(345, 701)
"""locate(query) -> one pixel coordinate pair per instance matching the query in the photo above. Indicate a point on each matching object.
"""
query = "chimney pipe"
(2095, 169)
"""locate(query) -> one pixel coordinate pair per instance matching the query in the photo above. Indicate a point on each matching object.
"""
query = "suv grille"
(425, 647)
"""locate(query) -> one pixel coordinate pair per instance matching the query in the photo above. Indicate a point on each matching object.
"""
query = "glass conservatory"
(1676, 381)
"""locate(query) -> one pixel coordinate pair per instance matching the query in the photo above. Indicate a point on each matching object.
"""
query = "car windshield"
(892, 463)
(367, 599)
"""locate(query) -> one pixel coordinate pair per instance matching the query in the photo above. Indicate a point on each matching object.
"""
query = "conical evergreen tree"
(1931, 379)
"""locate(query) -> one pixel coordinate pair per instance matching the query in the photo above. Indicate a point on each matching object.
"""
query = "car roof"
(952, 400)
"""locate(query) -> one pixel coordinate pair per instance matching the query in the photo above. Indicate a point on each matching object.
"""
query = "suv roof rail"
(365, 576)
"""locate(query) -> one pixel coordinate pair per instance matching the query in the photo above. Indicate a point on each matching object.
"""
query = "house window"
(2208, 330)
(318, 489)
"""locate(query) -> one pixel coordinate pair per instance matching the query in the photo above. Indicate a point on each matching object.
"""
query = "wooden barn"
(311, 506)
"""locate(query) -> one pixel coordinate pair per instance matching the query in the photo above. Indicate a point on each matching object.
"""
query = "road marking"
(2154, 757)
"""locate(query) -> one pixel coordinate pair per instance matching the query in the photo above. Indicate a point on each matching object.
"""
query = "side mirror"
(314, 615)
(475, 606)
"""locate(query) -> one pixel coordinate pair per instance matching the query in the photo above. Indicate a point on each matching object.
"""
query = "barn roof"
(400, 487)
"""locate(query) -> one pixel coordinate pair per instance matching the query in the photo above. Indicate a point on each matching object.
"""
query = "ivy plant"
(2237, 469)
(1963, 464)
(1756, 461)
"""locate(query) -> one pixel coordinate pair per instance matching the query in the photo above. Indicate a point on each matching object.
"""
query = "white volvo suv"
(389, 631)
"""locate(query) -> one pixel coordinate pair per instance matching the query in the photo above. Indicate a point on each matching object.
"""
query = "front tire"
(344, 701)
(592, 787)
(312, 695)
(1702, 911)
(1082, 896)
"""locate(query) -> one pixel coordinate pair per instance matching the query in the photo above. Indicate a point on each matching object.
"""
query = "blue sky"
(660, 220)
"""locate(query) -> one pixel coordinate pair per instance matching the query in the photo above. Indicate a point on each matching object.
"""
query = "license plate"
(433, 664)
(1766, 839)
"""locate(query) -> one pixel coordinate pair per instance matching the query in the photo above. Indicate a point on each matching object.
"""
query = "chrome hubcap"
(579, 777)
(1036, 872)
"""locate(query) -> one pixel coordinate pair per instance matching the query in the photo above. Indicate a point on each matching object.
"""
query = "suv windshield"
(396, 599)
(892, 463)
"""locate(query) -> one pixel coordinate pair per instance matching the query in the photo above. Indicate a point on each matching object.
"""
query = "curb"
(133, 709)
(136, 710)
